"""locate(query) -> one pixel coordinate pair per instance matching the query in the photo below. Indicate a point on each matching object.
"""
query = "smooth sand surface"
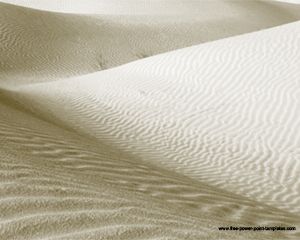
(171, 146)
(208, 8)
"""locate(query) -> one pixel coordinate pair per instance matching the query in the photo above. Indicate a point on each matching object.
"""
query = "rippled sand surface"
(149, 119)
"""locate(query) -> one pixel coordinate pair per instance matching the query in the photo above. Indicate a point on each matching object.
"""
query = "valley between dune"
(149, 119)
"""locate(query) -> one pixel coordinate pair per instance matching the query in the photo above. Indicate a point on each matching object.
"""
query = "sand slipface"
(101, 139)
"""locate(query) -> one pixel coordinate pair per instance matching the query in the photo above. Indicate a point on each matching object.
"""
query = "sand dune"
(171, 146)
(235, 128)
(240, 120)
(62, 185)
(50, 45)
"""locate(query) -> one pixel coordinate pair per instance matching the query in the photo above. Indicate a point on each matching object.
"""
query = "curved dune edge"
(230, 135)
(141, 7)
(61, 185)
(172, 146)
(38, 45)
(179, 107)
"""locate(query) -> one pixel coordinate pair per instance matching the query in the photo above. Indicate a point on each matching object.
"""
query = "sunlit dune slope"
(206, 8)
(58, 184)
(224, 112)
(100, 139)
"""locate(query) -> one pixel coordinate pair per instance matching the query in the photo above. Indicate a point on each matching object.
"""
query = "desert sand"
(149, 119)
(50, 45)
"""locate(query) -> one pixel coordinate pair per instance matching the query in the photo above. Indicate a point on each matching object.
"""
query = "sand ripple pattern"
(225, 112)
(59, 185)
(166, 147)
(50, 45)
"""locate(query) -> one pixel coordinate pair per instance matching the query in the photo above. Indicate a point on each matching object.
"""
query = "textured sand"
(171, 146)
(49, 45)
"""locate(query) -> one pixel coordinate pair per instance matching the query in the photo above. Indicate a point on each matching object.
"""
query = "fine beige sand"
(50, 45)
(101, 139)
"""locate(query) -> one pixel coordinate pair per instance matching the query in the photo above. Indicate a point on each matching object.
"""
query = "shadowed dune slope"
(57, 184)
(235, 128)
(171, 146)
(49, 45)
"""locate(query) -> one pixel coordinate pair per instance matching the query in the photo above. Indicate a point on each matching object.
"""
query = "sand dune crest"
(100, 139)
